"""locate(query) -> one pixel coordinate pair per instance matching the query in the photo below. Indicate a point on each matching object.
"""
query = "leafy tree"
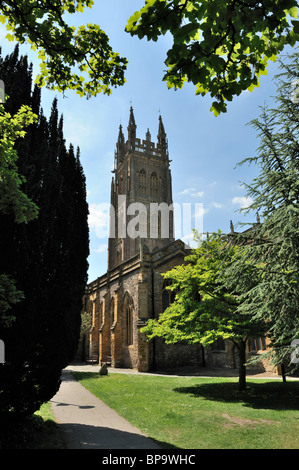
(222, 47)
(204, 310)
(47, 257)
(12, 199)
(9, 296)
(273, 254)
(62, 49)
(86, 324)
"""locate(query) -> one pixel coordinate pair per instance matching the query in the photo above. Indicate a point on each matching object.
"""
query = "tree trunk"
(283, 373)
(242, 367)
(203, 356)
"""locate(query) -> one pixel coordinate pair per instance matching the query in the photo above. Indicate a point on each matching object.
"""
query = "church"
(140, 249)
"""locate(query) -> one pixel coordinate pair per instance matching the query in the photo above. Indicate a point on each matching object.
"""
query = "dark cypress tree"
(272, 254)
(47, 256)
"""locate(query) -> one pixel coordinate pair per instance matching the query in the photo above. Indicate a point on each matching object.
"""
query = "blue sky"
(204, 149)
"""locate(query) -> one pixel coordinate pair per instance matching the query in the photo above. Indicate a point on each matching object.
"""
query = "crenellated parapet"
(139, 146)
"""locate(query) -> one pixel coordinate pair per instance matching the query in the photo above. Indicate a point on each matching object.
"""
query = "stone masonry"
(133, 290)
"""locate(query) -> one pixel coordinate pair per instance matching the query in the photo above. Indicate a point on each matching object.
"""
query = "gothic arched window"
(112, 311)
(154, 184)
(128, 311)
(119, 254)
(142, 181)
(168, 296)
(101, 315)
(256, 344)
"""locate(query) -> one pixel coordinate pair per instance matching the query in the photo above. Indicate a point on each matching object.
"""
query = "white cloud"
(187, 191)
(243, 202)
(101, 248)
(189, 240)
(200, 211)
(198, 194)
(98, 218)
(192, 192)
(217, 205)
(188, 237)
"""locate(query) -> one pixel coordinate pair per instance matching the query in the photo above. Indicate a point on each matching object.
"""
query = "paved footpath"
(87, 423)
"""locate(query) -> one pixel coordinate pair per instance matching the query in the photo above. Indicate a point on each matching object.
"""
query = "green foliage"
(204, 309)
(222, 47)
(41, 327)
(273, 251)
(9, 296)
(86, 323)
(12, 199)
(63, 49)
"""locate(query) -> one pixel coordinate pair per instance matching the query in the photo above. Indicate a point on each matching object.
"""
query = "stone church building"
(139, 250)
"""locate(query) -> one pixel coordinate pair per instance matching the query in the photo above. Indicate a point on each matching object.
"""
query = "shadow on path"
(86, 422)
(78, 436)
(81, 407)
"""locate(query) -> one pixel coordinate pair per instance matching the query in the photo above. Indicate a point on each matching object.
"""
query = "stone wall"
(139, 281)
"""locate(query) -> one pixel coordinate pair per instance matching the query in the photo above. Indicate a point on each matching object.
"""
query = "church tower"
(141, 218)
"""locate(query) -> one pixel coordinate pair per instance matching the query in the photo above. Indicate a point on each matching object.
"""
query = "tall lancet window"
(168, 296)
(154, 184)
(142, 181)
(112, 312)
(128, 304)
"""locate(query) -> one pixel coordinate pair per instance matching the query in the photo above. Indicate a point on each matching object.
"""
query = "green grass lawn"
(203, 413)
(49, 437)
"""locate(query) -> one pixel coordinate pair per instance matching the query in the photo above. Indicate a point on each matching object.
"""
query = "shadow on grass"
(269, 395)
(83, 375)
(32, 432)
